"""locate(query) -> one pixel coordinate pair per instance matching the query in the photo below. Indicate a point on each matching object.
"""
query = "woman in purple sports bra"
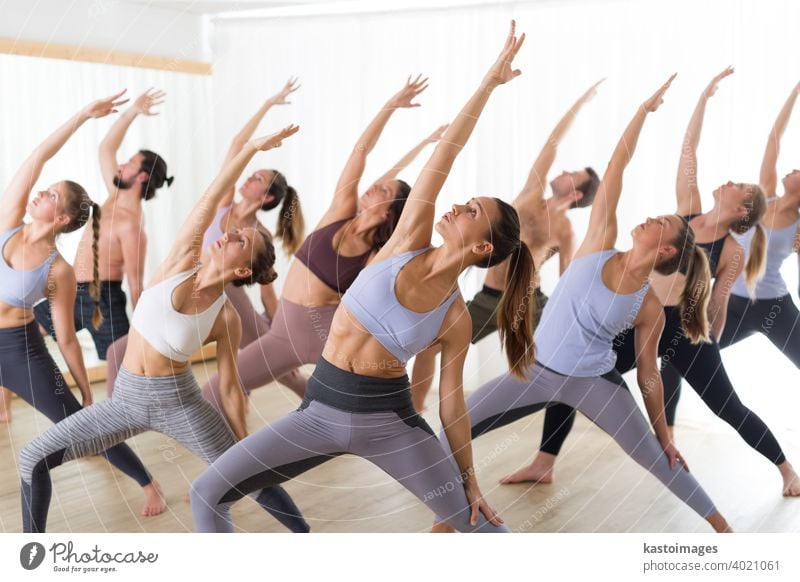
(359, 399)
(350, 233)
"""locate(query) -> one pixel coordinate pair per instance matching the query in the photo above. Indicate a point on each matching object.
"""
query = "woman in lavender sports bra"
(350, 233)
(264, 190)
(26, 367)
(359, 399)
(182, 309)
(603, 292)
(771, 311)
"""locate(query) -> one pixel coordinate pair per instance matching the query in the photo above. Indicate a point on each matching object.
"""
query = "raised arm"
(345, 199)
(143, 105)
(769, 165)
(415, 226)
(188, 245)
(602, 231)
(406, 160)
(686, 187)
(537, 177)
(15, 197)
(249, 129)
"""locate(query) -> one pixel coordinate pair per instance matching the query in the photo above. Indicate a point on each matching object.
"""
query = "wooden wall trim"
(103, 56)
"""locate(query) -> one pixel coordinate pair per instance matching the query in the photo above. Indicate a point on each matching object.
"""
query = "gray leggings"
(342, 413)
(171, 405)
(605, 400)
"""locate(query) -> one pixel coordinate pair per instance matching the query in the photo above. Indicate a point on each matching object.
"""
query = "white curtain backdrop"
(39, 94)
(350, 64)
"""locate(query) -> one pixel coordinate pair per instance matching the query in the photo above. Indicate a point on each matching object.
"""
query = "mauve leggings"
(297, 337)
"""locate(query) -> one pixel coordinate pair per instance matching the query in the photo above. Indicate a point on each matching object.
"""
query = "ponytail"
(94, 287)
(77, 205)
(757, 256)
(756, 259)
(291, 223)
(514, 320)
(695, 297)
(690, 260)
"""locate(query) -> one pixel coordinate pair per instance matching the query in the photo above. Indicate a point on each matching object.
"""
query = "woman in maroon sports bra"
(350, 233)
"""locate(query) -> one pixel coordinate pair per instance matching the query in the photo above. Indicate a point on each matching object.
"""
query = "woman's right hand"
(405, 96)
(658, 97)
(674, 456)
(501, 71)
(478, 504)
(276, 139)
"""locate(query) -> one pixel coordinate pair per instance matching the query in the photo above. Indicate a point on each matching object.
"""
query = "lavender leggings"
(297, 337)
(342, 413)
(605, 400)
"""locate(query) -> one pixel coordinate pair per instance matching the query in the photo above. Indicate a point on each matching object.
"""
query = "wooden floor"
(597, 487)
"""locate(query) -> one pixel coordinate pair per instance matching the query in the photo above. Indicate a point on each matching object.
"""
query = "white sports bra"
(174, 335)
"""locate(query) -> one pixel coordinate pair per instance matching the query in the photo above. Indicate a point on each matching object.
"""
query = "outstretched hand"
(103, 107)
(276, 139)
(501, 71)
(151, 98)
(280, 97)
(591, 92)
(658, 97)
(712, 86)
(407, 94)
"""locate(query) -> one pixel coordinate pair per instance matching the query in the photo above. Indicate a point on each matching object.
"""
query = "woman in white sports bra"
(183, 309)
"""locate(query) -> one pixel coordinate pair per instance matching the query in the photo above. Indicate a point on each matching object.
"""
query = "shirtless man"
(122, 243)
(546, 229)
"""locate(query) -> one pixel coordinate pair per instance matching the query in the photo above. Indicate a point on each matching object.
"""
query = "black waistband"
(357, 393)
(612, 375)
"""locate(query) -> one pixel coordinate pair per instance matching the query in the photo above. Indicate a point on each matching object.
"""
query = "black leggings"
(702, 367)
(28, 370)
(778, 319)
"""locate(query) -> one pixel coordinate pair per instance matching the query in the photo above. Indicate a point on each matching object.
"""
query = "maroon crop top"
(317, 253)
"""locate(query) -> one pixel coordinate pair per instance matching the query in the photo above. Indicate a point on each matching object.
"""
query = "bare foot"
(154, 502)
(442, 527)
(718, 523)
(539, 471)
(791, 481)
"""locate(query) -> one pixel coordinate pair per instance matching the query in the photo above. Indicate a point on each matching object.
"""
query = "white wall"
(111, 24)
(350, 64)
